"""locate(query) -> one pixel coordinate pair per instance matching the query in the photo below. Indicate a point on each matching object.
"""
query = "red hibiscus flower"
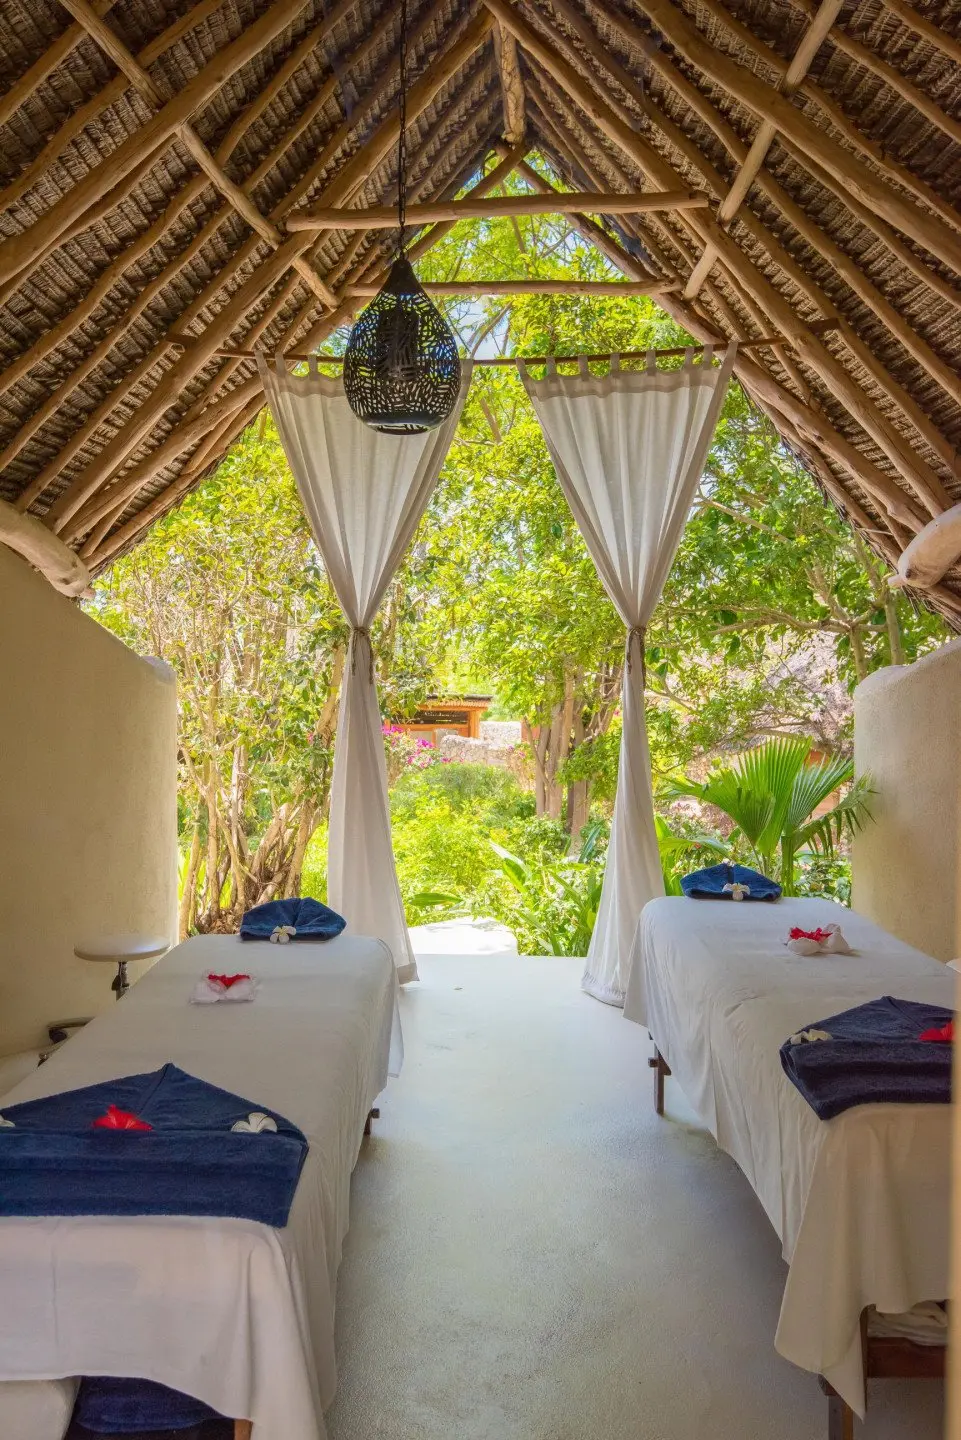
(227, 980)
(116, 1119)
(819, 935)
(943, 1033)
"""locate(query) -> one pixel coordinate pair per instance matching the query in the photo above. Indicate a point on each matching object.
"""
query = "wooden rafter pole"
(54, 55)
(767, 104)
(512, 85)
(923, 481)
(164, 125)
(893, 78)
(352, 174)
(810, 44)
(384, 217)
(934, 34)
(767, 391)
(768, 241)
(198, 421)
(85, 14)
(111, 92)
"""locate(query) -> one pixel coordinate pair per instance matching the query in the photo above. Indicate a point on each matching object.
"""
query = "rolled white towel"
(211, 989)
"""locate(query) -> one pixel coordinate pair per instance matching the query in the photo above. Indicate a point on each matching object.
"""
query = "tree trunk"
(188, 894)
(578, 811)
(895, 642)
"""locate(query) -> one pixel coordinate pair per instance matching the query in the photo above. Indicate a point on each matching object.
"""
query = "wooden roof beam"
(934, 34)
(353, 174)
(128, 485)
(811, 42)
(92, 108)
(893, 78)
(55, 54)
(923, 481)
(767, 104)
(662, 62)
(164, 125)
(512, 85)
(384, 217)
(84, 13)
(807, 228)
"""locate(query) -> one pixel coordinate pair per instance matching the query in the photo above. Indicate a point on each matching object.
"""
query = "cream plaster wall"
(88, 754)
(907, 864)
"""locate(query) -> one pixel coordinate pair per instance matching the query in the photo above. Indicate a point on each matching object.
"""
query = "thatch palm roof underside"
(150, 151)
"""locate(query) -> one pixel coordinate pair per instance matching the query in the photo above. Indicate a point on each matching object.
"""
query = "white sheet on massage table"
(234, 1312)
(860, 1203)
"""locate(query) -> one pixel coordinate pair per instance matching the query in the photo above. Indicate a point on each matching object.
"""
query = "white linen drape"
(629, 448)
(364, 493)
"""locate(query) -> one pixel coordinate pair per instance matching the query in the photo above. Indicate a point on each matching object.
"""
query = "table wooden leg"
(661, 1069)
(243, 1429)
(840, 1419)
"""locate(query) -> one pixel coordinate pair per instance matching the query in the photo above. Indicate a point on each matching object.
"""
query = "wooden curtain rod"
(817, 327)
(384, 217)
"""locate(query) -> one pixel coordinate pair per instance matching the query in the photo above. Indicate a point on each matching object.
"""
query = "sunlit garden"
(772, 613)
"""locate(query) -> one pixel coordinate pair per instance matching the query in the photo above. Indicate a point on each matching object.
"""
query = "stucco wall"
(907, 864)
(87, 802)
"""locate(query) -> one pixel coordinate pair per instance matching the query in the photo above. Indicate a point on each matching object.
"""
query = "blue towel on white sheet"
(307, 919)
(873, 1056)
(191, 1161)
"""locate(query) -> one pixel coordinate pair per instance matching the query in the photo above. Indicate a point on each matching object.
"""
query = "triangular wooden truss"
(152, 153)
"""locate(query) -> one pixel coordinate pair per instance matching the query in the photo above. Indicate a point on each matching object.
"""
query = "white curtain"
(364, 493)
(629, 449)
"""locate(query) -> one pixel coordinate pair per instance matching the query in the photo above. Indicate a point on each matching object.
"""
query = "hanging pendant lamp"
(401, 367)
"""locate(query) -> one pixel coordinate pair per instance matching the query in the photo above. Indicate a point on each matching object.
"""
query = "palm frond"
(847, 818)
(814, 783)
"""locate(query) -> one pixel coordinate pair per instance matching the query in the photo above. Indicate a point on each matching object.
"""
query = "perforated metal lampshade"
(401, 369)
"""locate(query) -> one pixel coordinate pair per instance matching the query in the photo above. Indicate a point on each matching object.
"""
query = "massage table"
(234, 1312)
(860, 1203)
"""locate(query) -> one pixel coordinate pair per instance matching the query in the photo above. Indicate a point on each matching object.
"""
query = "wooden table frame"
(884, 1358)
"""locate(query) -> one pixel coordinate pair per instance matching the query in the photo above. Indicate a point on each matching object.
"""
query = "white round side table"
(119, 950)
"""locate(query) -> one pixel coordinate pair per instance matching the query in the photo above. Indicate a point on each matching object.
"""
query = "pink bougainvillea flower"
(115, 1119)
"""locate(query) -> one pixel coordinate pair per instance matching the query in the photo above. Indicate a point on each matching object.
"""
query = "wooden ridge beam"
(839, 121)
(84, 13)
(810, 44)
(128, 485)
(610, 289)
(807, 228)
(384, 217)
(75, 123)
(924, 482)
(164, 125)
(28, 537)
(512, 85)
(348, 179)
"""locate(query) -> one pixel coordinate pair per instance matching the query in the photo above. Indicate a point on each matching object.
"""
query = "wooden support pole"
(925, 483)
(30, 538)
(512, 85)
(811, 43)
(343, 185)
(384, 217)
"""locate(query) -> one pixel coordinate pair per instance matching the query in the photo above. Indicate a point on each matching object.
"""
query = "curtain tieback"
(357, 632)
(638, 633)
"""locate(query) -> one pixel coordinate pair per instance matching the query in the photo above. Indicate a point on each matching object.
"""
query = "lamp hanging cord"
(402, 137)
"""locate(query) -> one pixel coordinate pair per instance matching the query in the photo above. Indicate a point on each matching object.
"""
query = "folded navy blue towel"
(164, 1146)
(873, 1056)
(710, 884)
(111, 1406)
(305, 920)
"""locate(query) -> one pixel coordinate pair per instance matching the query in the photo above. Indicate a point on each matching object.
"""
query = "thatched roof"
(143, 200)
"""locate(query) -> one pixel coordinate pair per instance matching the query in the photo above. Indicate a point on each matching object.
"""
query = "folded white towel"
(834, 943)
(209, 990)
